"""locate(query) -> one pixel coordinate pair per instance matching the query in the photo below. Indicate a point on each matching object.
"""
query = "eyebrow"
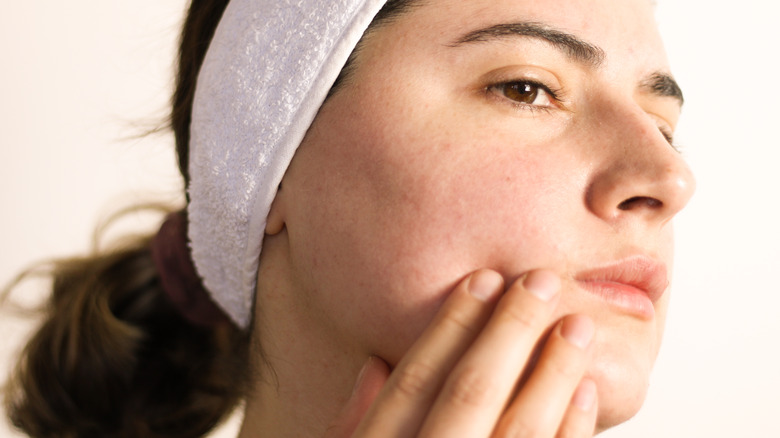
(658, 84)
(572, 46)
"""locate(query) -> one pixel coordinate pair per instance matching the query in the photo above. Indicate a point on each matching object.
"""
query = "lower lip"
(623, 297)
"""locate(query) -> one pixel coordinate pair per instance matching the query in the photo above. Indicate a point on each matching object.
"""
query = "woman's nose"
(641, 176)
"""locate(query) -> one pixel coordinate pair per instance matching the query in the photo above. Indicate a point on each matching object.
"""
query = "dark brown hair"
(112, 356)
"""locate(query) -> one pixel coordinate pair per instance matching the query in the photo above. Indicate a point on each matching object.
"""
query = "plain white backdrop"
(81, 81)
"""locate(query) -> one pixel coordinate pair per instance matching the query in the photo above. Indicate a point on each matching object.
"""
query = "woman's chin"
(622, 389)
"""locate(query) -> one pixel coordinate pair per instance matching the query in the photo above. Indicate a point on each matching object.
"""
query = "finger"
(409, 393)
(539, 406)
(369, 382)
(477, 390)
(580, 418)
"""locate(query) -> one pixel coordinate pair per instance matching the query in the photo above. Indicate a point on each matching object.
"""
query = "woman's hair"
(112, 356)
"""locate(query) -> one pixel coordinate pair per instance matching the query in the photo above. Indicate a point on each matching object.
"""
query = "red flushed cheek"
(389, 221)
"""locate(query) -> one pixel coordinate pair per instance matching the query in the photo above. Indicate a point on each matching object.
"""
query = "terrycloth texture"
(267, 71)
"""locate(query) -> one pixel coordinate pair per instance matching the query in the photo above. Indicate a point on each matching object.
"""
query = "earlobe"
(276, 218)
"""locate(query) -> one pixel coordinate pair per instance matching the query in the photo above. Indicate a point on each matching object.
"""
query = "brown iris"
(522, 92)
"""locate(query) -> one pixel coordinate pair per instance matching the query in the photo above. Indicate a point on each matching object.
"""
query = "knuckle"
(565, 370)
(568, 433)
(518, 428)
(414, 379)
(564, 364)
(472, 388)
(526, 318)
(458, 321)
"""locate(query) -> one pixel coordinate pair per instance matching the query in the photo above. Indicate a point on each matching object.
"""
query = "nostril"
(640, 201)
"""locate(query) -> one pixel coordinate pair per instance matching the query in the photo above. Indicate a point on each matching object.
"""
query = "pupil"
(525, 93)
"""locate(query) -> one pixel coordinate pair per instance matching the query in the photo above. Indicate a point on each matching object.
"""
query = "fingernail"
(578, 330)
(485, 284)
(585, 395)
(543, 284)
(362, 374)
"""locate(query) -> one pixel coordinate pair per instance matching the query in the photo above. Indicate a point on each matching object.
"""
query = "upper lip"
(641, 272)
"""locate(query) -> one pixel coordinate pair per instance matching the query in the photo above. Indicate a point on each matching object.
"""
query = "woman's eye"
(670, 138)
(525, 93)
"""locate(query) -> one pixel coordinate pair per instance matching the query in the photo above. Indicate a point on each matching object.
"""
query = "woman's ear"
(276, 217)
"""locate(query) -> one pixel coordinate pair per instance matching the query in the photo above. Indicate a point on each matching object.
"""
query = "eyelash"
(670, 139)
(499, 90)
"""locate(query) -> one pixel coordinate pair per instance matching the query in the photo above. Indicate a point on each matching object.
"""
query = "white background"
(81, 81)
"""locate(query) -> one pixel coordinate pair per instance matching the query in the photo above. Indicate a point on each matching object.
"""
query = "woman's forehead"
(616, 28)
(573, 13)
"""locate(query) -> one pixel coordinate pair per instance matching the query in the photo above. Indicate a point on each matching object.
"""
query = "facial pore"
(471, 139)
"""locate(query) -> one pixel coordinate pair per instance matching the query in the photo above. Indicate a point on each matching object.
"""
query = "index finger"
(480, 385)
(403, 403)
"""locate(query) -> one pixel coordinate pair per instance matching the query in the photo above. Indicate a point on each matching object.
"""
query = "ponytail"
(114, 358)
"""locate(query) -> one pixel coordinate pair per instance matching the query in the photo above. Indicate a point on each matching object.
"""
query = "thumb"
(369, 382)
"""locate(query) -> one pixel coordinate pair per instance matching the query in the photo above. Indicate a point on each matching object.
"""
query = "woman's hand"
(462, 378)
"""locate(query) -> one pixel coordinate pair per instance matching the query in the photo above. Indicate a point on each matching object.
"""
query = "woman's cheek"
(387, 225)
(393, 272)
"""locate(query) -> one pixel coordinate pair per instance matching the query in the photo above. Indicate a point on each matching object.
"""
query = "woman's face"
(503, 134)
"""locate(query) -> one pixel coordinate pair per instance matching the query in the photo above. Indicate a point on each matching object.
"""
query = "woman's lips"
(631, 285)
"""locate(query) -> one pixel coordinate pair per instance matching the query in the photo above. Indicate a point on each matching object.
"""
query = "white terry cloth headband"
(268, 69)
